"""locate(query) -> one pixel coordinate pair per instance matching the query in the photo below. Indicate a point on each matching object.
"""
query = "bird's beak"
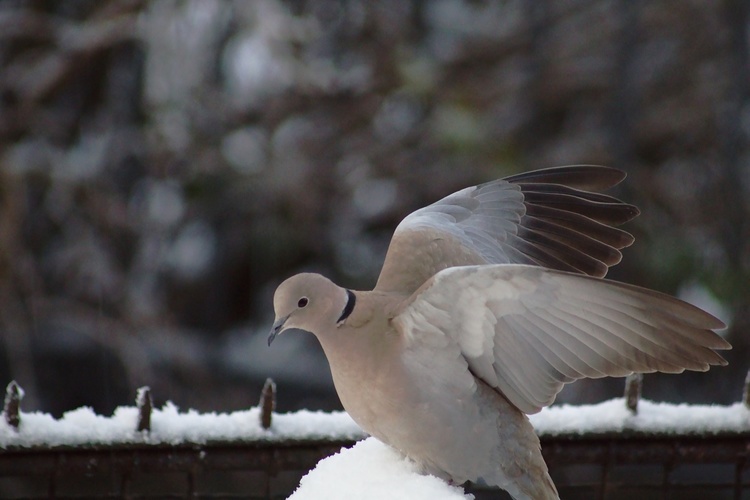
(276, 328)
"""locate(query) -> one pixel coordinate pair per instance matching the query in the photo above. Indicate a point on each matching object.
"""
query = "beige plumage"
(488, 302)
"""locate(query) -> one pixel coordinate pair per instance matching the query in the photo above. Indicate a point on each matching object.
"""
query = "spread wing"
(526, 331)
(550, 218)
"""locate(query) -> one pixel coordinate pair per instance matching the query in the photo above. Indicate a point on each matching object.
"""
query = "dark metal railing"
(631, 464)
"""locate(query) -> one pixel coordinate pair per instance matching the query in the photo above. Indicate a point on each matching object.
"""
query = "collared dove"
(489, 301)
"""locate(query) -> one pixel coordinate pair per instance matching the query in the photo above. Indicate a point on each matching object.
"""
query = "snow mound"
(371, 470)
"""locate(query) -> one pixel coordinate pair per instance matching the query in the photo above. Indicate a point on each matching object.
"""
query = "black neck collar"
(349, 306)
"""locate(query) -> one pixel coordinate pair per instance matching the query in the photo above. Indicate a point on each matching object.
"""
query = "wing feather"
(546, 217)
(565, 365)
(600, 250)
(588, 177)
(583, 261)
(614, 237)
(605, 212)
(545, 256)
(527, 331)
(660, 331)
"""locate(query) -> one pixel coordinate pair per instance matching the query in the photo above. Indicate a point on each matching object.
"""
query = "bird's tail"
(534, 484)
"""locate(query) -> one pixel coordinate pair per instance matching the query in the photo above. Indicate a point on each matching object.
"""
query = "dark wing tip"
(569, 224)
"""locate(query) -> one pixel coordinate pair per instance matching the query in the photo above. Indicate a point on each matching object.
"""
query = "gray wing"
(549, 218)
(526, 330)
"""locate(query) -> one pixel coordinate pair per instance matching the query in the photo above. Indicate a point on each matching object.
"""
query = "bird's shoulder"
(374, 308)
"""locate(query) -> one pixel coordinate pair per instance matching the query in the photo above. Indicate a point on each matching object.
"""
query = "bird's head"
(309, 302)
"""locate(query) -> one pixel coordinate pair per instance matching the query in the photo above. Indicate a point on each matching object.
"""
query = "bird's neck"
(363, 351)
(367, 330)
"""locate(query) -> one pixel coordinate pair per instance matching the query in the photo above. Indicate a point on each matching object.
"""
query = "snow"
(143, 396)
(370, 470)
(663, 418)
(171, 426)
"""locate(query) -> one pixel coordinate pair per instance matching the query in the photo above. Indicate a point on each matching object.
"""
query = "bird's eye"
(302, 302)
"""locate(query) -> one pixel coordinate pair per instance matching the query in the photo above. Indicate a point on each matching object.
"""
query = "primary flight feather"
(489, 301)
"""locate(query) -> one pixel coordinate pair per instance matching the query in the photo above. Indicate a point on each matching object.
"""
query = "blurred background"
(165, 164)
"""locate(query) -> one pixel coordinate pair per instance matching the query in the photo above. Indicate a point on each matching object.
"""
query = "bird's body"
(489, 301)
(404, 406)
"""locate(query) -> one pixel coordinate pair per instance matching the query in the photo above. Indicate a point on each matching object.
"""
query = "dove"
(489, 301)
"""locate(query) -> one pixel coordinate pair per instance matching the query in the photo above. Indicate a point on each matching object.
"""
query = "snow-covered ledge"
(368, 470)
(169, 425)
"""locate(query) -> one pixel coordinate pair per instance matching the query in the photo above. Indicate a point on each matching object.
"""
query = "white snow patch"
(613, 416)
(371, 470)
(171, 426)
